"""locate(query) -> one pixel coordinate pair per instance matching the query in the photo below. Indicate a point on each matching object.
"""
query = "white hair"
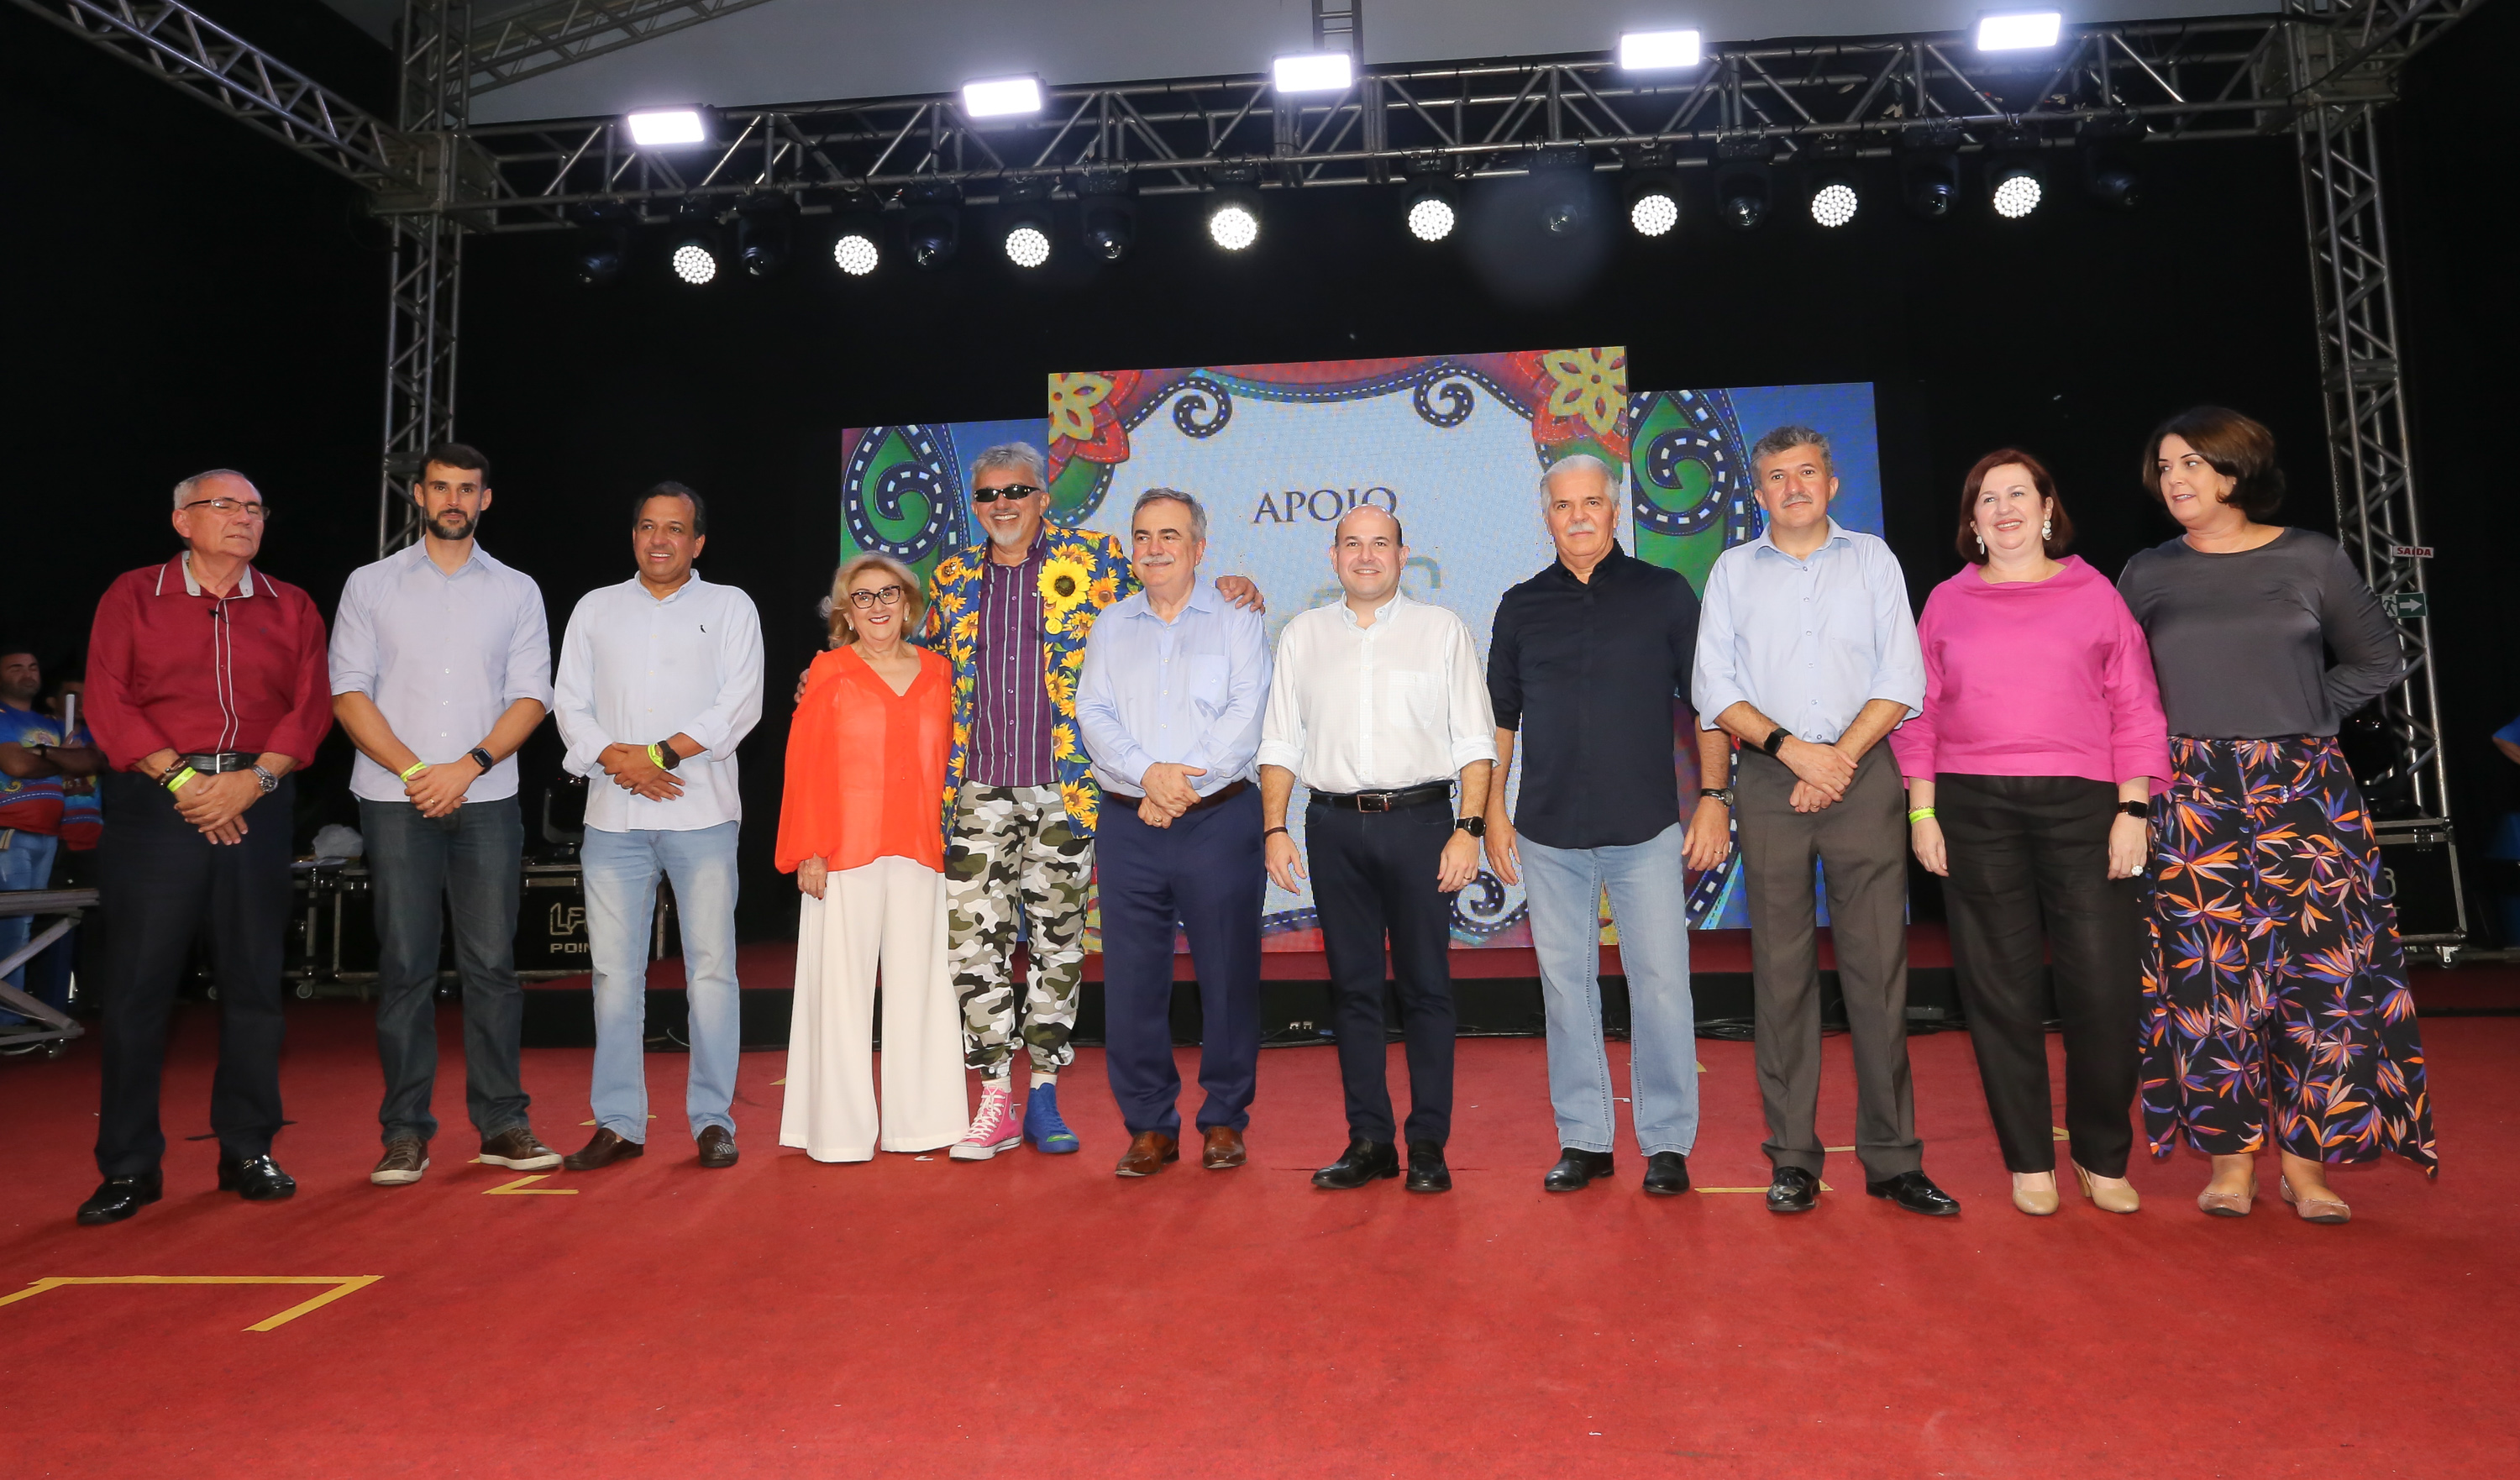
(184, 490)
(1023, 457)
(1197, 514)
(1577, 462)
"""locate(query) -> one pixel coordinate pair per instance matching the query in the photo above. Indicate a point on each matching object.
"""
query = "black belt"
(1217, 798)
(211, 763)
(1386, 801)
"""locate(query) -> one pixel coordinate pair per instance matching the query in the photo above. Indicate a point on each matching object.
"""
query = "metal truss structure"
(2320, 69)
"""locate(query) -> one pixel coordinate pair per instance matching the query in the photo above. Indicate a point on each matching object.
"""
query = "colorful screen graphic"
(1453, 445)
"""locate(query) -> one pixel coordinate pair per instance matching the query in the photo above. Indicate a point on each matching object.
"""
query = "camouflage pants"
(1015, 854)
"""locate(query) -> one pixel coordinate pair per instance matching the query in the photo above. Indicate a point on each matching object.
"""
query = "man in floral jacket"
(1011, 616)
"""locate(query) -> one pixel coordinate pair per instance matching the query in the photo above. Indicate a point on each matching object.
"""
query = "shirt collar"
(192, 587)
(417, 552)
(1038, 549)
(680, 592)
(1836, 536)
(1601, 567)
(1383, 614)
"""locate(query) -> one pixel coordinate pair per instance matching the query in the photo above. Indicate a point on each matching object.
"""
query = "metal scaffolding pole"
(425, 296)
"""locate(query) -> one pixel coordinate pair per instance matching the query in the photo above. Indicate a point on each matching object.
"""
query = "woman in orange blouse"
(860, 828)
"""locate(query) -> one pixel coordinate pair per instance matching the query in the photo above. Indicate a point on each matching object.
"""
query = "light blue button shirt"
(1188, 690)
(1807, 643)
(442, 657)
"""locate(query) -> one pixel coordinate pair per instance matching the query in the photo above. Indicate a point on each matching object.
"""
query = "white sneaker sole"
(967, 1151)
(522, 1164)
(398, 1179)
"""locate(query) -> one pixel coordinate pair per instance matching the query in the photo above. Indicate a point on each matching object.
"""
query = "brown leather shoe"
(405, 1158)
(717, 1148)
(1224, 1149)
(1149, 1152)
(608, 1148)
(516, 1147)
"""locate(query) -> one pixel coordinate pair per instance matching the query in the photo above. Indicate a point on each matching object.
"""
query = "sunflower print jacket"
(1086, 571)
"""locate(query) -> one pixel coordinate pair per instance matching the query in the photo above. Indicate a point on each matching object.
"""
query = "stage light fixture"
(1429, 206)
(1002, 97)
(1653, 199)
(1834, 202)
(1110, 221)
(1024, 220)
(1660, 51)
(1743, 182)
(693, 254)
(1315, 72)
(1234, 206)
(765, 232)
(856, 254)
(932, 227)
(665, 127)
(2020, 31)
(1564, 188)
(2109, 174)
(2013, 182)
(604, 244)
(1929, 170)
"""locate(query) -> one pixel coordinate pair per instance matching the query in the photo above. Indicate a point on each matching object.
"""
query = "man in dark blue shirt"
(1591, 660)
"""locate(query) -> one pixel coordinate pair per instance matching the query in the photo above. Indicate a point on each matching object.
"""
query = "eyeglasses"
(1007, 491)
(233, 506)
(866, 601)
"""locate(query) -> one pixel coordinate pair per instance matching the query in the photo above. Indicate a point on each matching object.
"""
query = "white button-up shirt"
(442, 657)
(1399, 703)
(1187, 692)
(635, 670)
(1807, 642)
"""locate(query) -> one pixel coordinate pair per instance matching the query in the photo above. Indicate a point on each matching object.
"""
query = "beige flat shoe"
(2038, 1202)
(2108, 1194)
(2229, 1204)
(2327, 1209)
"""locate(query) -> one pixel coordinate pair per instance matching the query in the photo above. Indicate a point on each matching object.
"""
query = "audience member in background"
(2028, 773)
(442, 668)
(1587, 657)
(37, 758)
(660, 680)
(1169, 709)
(858, 827)
(205, 689)
(2272, 969)
(1807, 653)
(1376, 704)
(82, 815)
(1012, 614)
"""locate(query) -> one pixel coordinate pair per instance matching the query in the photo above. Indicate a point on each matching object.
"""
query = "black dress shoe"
(1792, 1190)
(717, 1148)
(1667, 1174)
(122, 1196)
(1575, 1170)
(1426, 1170)
(1362, 1162)
(1916, 1192)
(256, 1179)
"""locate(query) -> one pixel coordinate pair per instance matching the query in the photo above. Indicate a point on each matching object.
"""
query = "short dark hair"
(669, 489)
(456, 455)
(2060, 531)
(11, 650)
(2238, 448)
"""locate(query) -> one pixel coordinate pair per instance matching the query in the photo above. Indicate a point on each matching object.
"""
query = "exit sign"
(2404, 605)
(2411, 551)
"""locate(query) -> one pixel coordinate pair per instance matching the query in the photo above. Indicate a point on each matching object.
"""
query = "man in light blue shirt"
(441, 667)
(1807, 653)
(1169, 707)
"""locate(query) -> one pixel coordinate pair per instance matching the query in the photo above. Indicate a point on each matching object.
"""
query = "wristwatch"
(479, 755)
(1722, 794)
(2137, 809)
(1775, 740)
(673, 757)
(266, 780)
(1476, 827)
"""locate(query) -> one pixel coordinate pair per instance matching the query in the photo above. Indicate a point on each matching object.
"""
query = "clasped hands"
(439, 789)
(1821, 774)
(1168, 793)
(216, 803)
(633, 772)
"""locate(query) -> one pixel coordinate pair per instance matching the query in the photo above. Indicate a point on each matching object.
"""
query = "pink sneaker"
(995, 1129)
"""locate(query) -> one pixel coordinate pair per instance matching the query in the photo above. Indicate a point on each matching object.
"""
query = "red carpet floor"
(1036, 1317)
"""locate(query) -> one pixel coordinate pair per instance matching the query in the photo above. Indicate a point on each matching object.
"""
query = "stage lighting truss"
(1108, 218)
(932, 222)
(693, 254)
(1024, 216)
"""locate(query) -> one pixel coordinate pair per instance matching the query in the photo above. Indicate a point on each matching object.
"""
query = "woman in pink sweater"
(2027, 777)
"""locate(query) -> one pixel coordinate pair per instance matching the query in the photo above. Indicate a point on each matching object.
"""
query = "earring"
(2046, 530)
(1981, 544)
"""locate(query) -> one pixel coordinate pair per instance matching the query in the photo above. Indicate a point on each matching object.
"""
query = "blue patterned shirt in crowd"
(1189, 692)
(442, 657)
(1807, 642)
(31, 803)
(1011, 740)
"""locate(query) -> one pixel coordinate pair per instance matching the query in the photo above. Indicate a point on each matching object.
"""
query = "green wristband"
(417, 767)
(1921, 813)
(656, 757)
(177, 780)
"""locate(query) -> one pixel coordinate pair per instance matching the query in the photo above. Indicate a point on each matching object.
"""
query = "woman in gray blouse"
(2275, 990)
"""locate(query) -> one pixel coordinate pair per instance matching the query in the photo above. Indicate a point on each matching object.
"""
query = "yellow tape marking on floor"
(519, 1189)
(342, 1284)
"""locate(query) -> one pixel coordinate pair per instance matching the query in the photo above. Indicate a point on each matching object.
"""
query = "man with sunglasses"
(1012, 614)
(207, 686)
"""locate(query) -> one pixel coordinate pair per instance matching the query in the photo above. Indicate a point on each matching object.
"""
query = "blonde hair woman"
(859, 827)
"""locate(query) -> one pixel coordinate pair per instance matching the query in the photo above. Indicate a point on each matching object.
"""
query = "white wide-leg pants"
(887, 915)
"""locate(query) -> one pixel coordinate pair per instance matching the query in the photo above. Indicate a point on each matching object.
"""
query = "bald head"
(1339, 531)
(1366, 553)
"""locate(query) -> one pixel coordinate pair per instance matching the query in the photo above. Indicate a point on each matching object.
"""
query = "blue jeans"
(1650, 906)
(621, 870)
(25, 864)
(470, 860)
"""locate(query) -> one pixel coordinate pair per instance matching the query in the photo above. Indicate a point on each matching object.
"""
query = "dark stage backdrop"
(236, 318)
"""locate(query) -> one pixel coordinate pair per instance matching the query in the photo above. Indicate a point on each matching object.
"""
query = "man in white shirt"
(442, 668)
(1376, 704)
(660, 681)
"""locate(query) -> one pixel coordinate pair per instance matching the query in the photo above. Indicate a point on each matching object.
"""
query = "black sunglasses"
(1008, 491)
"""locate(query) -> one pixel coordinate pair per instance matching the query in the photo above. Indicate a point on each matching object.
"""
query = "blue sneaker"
(1042, 1125)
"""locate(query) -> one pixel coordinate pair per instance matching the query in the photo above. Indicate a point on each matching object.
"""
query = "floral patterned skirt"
(2271, 966)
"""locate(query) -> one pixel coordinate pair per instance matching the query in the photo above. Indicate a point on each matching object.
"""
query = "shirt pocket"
(1204, 676)
(1414, 700)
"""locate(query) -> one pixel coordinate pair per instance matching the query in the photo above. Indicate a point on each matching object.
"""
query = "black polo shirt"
(1590, 672)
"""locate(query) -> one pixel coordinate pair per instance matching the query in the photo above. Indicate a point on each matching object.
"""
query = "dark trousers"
(2028, 851)
(472, 859)
(1204, 875)
(1861, 845)
(161, 883)
(1372, 873)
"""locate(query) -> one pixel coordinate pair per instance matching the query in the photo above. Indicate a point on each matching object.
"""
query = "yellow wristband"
(656, 757)
(417, 767)
(1921, 813)
(177, 780)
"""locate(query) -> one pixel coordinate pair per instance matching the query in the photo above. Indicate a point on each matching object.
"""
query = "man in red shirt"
(207, 686)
